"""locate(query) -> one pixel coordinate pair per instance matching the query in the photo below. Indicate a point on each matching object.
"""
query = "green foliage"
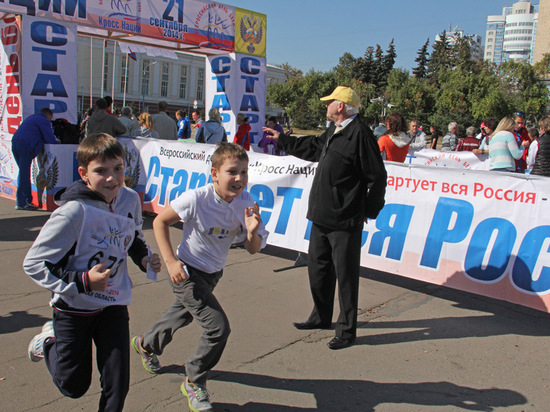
(446, 86)
(421, 70)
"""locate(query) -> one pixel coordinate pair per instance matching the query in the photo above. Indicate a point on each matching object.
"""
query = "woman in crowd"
(435, 137)
(242, 138)
(146, 127)
(533, 148)
(542, 160)
(503, 148)
(212, 131)
(394, 145)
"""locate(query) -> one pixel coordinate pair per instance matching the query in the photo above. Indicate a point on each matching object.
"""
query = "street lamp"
(382, 101)
(143, 70)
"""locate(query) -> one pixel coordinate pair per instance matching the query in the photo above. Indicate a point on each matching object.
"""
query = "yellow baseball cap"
(345, 95)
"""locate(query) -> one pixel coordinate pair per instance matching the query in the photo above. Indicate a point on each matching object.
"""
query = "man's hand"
(252, 218)
(98, 278)
(272, 132)
(154, 261)
(177, 271)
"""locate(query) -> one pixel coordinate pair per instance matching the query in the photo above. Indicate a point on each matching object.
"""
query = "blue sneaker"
(197, 395)
(28, 206)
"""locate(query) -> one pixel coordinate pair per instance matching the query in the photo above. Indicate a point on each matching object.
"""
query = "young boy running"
(214, 216)
(80, 255)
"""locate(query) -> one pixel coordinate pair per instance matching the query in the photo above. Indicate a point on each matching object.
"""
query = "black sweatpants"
(69, 355)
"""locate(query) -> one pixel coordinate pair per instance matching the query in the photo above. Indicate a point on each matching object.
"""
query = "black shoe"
(310, 325)
(340, 343)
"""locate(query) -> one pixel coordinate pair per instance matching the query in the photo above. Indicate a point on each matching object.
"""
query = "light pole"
(145, 68)
(382, 101)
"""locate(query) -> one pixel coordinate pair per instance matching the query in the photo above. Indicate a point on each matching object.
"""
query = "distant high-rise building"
(474, 40)
(542, 44)
(511, 35)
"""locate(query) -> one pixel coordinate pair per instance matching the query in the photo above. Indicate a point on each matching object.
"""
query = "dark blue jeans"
(23, 158)
(69, 356)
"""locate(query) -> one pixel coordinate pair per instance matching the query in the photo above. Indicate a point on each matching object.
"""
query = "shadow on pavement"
(355, 395)
(24, 228)
(19, 320)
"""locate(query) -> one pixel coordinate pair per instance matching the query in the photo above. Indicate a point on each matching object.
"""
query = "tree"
(345, 71)
(389, 60)
(440, 59)
(364, 66)
(421, 69)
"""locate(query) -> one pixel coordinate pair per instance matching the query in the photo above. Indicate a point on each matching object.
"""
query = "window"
(164, 79)
(123, 73)
(183, 82)
(200, 84)
(106, 72)
(145, 73)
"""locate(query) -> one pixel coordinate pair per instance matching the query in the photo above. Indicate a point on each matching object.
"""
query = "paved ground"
(420, 347)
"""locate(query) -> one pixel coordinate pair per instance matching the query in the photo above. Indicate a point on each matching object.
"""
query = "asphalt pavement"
(420, 347)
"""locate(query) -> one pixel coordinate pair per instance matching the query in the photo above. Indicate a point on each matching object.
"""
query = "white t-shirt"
(210, 226)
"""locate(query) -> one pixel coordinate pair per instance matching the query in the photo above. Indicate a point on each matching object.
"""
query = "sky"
(314, 34)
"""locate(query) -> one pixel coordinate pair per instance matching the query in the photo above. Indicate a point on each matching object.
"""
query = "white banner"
(479, 231)
(236, 83)
(49, 67)
(456, 160)
(11, 106)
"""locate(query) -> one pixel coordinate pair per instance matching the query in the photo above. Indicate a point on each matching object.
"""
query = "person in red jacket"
(242, 138)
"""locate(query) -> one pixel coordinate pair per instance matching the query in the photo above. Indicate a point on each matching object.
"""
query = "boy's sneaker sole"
(194, 404)
(150, 362)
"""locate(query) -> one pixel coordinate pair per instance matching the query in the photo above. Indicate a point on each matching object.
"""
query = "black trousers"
(69, 355)
(335, 255)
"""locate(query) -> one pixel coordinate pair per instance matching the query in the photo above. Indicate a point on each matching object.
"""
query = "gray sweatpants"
(194, 300)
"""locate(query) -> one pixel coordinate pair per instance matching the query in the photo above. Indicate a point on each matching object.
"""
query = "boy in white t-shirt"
(214, 217)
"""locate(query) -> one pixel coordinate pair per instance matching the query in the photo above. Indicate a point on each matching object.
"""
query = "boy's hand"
(252, 218)
(98, 277)
(177, 271)
(153, 260)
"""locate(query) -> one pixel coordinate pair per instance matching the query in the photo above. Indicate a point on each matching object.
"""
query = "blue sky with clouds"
(316, 33)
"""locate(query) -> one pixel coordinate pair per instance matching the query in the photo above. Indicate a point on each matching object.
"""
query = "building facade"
(140, 80)
(511, 35)
(542, 43)
(474, 40)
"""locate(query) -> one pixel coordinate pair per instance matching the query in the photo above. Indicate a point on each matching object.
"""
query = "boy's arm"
(253, 241)
(161, 228)
(47, 258)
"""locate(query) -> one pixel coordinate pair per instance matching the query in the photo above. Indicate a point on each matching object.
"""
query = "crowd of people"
(91, 287)
(510, 145)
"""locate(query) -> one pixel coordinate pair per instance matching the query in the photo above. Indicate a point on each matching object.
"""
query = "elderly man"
(450, 140)
(348, 187)
(163, 124)
(418, 137)
(127, 120)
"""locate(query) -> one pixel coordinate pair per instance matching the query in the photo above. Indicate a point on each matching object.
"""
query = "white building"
(511, 35)
(474, 40)
(156, 74)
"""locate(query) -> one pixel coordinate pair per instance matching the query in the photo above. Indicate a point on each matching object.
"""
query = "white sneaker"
(36, 347)
(198, 396)
(48, 326)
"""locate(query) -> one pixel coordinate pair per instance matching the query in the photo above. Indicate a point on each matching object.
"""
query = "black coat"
(350, 180)
(542, 160)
